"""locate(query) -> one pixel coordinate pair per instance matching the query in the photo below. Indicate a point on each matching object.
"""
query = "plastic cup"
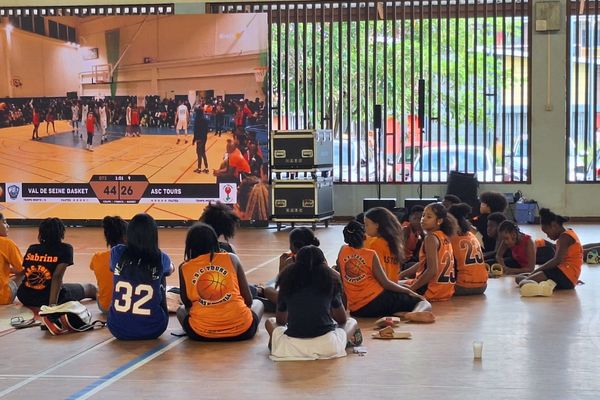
(477, 349)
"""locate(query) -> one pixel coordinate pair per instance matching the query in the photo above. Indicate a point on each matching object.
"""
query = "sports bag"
(68, 317)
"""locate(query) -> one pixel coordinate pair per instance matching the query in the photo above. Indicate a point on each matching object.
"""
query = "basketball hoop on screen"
(260, 73)
(102, 73)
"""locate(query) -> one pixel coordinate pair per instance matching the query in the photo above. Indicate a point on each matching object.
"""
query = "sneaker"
(592, 257)
(197, 170)
(533, 289)
(205, 170)
(356, 339)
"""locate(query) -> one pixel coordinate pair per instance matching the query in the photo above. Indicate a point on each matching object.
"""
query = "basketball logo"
(353, 269)
(212, 286)
(37, 276)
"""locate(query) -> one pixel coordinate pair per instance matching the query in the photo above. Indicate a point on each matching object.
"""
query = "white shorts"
(286, 348)
(182, 124)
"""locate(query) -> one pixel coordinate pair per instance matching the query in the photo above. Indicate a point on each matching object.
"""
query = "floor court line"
(259, 266)
(124, 370)
(56, 366)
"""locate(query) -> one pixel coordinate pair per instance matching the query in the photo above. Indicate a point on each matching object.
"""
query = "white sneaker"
(532, 289)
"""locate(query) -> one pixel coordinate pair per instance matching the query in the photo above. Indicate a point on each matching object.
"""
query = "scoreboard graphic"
(118, 189)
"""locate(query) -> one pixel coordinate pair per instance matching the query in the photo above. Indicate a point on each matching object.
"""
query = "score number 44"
(125, 190)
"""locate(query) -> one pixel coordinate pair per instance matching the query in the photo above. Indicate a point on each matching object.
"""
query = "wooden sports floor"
(534, 348)
(62, 157)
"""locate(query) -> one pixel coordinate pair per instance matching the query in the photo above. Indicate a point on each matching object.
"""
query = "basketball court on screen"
(125, 59)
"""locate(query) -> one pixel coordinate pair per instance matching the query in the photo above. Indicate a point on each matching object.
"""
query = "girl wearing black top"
(45, 264)
(309, 307)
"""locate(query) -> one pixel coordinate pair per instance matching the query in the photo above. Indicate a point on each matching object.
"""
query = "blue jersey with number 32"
(138, 309)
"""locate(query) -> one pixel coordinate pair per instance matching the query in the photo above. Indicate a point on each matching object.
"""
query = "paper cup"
(477, 349)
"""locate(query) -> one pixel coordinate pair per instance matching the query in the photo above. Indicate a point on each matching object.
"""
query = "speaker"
(389, 203)
(421, 103)
(378, 116)
(414, 201)
(464, 185)
(71, 95)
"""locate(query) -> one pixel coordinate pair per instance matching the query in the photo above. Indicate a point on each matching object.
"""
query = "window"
(332, 62)
(38, 25)
(583, 106)
(53, 29)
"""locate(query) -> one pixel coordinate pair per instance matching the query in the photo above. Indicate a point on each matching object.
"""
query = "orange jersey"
(470, 265)
(218, 308)
(100, 264)
(441, 286)
(356, 269)
(388, 261)
(571, 265)
(411, 243)
(11, 261)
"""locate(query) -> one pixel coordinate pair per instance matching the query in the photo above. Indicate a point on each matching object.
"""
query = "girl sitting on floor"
(44, 267)
(522, 250)
(224, 221)
(369, 292)
(115, 230)
(11, 265)
(435, 274)
(385, 237)
(563, 270)
(299, 238)
(471, 274)
(311, 322)
(493, 223)
(217, 304)
(139, 308)
(412, 235)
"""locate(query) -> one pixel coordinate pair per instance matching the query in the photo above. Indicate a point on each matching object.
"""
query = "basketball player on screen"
(103, 122)
(182, 117)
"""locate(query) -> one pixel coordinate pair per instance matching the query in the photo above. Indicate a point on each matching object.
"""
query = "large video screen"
(126, 108)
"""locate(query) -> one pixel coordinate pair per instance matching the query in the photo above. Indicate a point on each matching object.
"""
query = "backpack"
(68, 317)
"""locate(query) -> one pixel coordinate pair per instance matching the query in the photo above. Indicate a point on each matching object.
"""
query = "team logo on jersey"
(37, 276)
(354, 268)
(212, 285)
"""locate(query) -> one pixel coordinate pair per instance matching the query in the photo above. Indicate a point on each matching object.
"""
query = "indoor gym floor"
(534, 348)
(62, 157)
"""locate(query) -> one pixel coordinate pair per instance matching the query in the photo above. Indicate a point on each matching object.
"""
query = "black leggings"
(90, 139)
(201, 152)
(387, 303)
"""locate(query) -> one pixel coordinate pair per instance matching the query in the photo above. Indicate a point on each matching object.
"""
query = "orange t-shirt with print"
(356, 270)
(441, 286)
(389, 262)
(218, 308)
(571, 264)
(11, 261)
(470, 265)
(100, 264)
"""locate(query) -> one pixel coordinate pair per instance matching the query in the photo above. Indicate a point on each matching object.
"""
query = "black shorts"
(249, 334)
(562, 282)
(387, 303)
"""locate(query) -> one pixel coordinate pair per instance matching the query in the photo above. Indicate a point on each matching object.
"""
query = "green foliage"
(458, 58)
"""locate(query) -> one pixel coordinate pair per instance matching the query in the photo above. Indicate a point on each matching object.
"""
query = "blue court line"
(124, 369)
